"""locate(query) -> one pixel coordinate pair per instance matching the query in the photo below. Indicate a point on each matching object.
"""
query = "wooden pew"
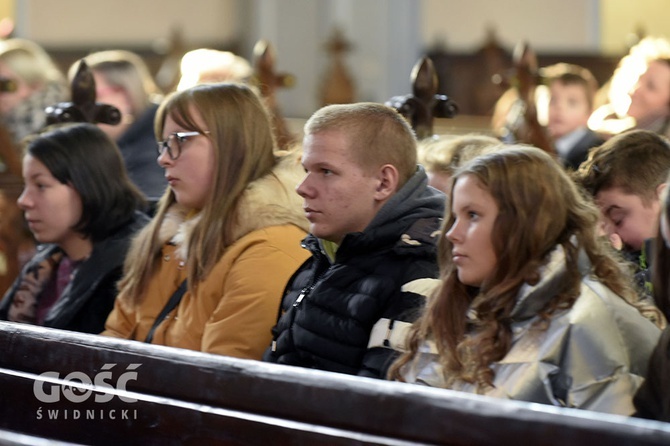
(185, 397)
(9, 438)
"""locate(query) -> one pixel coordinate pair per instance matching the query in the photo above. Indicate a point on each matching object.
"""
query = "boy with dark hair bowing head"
(373, 231)
(626, 176)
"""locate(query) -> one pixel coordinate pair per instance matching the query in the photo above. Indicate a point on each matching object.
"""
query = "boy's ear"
(388, 178)
(660, 189)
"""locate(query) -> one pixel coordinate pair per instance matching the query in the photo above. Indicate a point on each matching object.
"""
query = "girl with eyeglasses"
(208, 272)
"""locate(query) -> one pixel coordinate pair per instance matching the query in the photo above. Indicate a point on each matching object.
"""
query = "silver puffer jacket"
(592, 356)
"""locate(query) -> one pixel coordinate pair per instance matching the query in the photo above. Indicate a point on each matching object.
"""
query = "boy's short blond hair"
(377, 134)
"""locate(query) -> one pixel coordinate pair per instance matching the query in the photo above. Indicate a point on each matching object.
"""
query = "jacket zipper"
(303, 293)
(315, 280)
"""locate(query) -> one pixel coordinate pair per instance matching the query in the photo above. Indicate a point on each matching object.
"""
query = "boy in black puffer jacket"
(374, 223)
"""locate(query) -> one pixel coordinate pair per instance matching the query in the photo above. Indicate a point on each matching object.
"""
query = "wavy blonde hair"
(539, 208)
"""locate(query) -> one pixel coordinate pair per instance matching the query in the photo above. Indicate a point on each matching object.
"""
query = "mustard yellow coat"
(233, 310)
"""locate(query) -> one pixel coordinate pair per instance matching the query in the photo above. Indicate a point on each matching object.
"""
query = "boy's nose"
(304, 189)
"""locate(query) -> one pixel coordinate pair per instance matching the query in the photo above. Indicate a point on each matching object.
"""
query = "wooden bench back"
(185, 397)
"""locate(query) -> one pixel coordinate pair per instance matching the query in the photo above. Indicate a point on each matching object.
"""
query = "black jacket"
(580, 151)
(89, 297)
(652, 399)
(372, 286)
(138, 148)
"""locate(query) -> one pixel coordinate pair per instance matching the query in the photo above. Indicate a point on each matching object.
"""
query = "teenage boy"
(626, 176)
(374, 225)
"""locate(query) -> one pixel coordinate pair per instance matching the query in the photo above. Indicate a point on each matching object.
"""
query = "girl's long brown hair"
(539, 208)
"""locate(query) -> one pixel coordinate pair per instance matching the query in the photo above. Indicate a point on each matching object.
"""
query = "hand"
(616, 241)
(604, 229)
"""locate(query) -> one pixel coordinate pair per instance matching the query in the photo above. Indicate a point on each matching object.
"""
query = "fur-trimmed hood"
(268, 201)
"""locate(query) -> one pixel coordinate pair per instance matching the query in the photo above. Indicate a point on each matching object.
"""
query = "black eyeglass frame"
(180, 138)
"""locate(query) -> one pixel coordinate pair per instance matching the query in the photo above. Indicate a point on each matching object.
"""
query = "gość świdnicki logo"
(77, 387)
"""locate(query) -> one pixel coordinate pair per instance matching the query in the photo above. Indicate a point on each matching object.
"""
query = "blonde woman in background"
(638, 94)
(123, 80)
(31, 81)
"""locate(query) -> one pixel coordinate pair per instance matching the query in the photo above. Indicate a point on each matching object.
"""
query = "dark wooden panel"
(467, 77)
(151, 420)
(193, 394)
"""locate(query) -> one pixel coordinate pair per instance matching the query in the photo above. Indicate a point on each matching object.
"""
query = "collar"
(532, 298)
(329, 249)
(568, 141)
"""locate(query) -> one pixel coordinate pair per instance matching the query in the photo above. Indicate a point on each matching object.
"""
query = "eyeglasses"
(174, 142)
(7, 85)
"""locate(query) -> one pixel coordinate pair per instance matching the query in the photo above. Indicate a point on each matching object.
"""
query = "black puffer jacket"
(372, 286)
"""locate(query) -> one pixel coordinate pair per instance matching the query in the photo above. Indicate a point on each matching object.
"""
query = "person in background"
(207, 273)
(122, 79)
(29, 82)
(373, 227)
(83, 210)
(571, 93)
(531, 304)
(442, 156)
(638, 94)
(650, 98)
(204, 65)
